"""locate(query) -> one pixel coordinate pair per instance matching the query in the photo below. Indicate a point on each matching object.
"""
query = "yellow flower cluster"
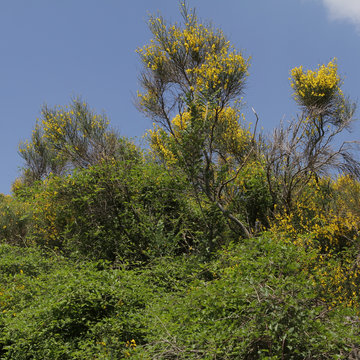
(26, 146)
(131, 344)
(349, 201)
(200, 53)
(218, 70)
(181, 122)
(160, 145)
(232, 137)
(229, 136)
(316, 87)
(63, 123)
(54, 126)
(146, 100)
(131, 347)
(154, 57)
(340, 282)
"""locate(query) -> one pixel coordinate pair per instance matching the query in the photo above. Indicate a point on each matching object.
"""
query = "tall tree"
(191, 81)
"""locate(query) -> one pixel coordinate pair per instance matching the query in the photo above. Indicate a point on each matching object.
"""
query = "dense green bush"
(119, 210)
(53, 314)
(255, 301)
(14, 220)
(260, 305)
(55, 308)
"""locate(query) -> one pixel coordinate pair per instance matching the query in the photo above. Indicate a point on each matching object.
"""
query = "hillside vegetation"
(214, 242)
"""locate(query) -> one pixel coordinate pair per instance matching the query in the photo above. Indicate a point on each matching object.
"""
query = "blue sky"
(53, 50)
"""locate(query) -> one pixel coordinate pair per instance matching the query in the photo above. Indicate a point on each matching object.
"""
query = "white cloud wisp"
(344, 10)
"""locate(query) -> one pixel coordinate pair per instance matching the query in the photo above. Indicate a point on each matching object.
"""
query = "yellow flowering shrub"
(193, 58)
(209, 59)
(74, 128)
(67, 137)
(347, 191)
(321, 221)
(329, 223)
(191, 79)
(316, 88)
(213, 147)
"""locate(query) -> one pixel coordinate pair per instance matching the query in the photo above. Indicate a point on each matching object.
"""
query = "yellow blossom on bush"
(229, 136)
(159, 144)
(316, 88)
(322, 223)
(198, 57)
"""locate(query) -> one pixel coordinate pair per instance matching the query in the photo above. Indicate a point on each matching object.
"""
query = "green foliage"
(126, 211)
(111, 252)
(255, 301)
(59, 314)
(60, 309)
(251, 198)
(14, 220)
(260, 305)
